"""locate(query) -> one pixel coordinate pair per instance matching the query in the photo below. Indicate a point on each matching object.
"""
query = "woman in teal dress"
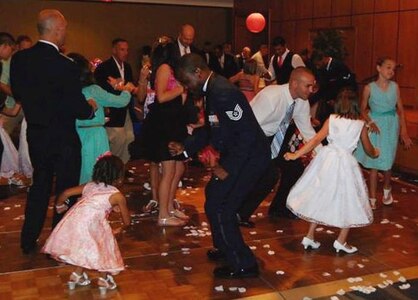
(385, 119)
(93, 136)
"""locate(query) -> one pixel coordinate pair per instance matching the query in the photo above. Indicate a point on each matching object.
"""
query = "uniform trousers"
(223, 199)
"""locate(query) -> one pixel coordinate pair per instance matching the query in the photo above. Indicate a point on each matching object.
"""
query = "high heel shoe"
(107, 283)
(179, 214)
(170, 221)
(151, 206)
(338, 246)
(307, 242)
(389, 199)
(372, 203)
(76, 279)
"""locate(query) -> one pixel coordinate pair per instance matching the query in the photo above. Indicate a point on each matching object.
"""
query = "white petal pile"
(363, 289)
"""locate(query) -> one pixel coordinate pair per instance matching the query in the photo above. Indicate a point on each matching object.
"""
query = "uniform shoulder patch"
(235, 114)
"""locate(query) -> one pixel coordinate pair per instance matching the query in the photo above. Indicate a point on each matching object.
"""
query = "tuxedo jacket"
(230, 67)
(193, 49)
(48, 86)
(108, 68)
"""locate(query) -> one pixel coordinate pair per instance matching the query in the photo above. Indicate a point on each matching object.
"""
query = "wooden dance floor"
(171, 263)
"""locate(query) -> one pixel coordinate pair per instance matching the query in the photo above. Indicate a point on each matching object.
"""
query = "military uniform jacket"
(231, 127)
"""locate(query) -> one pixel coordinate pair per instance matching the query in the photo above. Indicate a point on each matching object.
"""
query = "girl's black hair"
(347, 104)
(108, 169)
(162, 54)
(86, 75)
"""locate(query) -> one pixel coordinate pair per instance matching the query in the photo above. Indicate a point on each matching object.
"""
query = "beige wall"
(93, 25)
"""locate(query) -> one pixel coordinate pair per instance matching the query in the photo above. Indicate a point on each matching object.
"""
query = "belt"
(89, 126)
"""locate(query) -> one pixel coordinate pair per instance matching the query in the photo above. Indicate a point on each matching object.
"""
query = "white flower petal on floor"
(233, 288)
(405, 286)
(253, 232)
(402, 279)
(334, 298)
(266, 246)
(340, 292)
(326, 274)
(219, 288)
(396, 236)
(330, 232)
(242, 290)
(361, 266)
(253, 247)
(384, 221)
(383, 275)
(396, 273)
(271, 252)
(339, 270)
(279, 272)
(259, 215)
(164, 253)
(399, 226)
(187, 268)
(319, 229)
(6, 208)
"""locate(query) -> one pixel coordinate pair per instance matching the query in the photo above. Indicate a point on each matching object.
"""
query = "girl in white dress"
(332, 190)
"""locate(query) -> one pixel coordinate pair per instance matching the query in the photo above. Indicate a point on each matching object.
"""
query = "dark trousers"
(49, 156)
(290, 173)
(223, 199)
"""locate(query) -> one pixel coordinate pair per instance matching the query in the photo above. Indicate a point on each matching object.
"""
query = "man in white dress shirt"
(270, 107)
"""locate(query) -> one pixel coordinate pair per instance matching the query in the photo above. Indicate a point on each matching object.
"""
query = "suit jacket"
(104, 70)
(48, 86)
(331, 80)
(193, 49)
(229, 69)
(231, 126)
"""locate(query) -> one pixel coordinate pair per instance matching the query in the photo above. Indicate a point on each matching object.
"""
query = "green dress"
(93, 136)
(383, 112)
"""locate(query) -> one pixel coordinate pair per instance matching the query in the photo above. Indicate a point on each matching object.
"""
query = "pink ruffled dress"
(84, 237)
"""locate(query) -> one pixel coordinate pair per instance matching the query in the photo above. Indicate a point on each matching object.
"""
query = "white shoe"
(389, 199)
(338, 246)
(307, 242)
(75, 279)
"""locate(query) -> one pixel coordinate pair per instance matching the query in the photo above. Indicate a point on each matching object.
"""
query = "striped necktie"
(279, 136)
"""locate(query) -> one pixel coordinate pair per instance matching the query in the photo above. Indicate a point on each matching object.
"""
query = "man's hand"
(175, 148)
(219, 172)
(92, 103)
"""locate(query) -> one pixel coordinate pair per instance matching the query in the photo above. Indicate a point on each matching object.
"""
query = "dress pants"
(223, 199)
(290, 173)
(51, 154)
(120, 138)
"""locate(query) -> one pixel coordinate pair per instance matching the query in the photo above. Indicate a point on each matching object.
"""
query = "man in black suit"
(184, 42)
(244, 154)
(119, 128)
(48, 85)
(223, 64)
(332, 75)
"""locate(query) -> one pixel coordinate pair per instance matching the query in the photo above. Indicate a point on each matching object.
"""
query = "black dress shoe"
(228, 272)
(247, 224)
(29, 249)
(215, 255)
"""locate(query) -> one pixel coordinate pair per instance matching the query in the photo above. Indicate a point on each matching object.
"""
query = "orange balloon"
(255, 22)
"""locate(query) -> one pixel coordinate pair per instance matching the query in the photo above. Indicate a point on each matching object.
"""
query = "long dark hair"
(162, 54)
(86, 75)
(108, 169)
(347, 104)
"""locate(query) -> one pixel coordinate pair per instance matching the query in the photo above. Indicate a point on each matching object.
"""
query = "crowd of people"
(249, 118)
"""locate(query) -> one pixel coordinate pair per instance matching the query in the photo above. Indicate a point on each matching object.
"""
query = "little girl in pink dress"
(84, 238)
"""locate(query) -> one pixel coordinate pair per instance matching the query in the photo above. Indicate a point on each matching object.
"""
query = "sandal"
(107, 283)
(179, 215)
(76, 279)
(176, 204)
(151, 206)
(170, 221)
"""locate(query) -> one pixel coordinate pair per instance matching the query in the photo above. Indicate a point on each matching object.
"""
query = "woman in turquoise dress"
(93, 136)
(383, 111)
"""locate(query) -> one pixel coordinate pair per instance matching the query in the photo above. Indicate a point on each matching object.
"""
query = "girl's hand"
(116, 230)
(373, 128)
(290, 156)
(406, 141)
(61, 208)
(116, 209)
(376, 152)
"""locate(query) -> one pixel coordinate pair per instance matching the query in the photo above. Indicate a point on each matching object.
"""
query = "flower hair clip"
(106, 154)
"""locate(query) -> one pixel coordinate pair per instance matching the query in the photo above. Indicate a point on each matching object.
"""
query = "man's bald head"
(186, 35)
(301, 83)
(52, 26)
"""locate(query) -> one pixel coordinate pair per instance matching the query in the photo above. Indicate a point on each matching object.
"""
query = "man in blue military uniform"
(233, 130)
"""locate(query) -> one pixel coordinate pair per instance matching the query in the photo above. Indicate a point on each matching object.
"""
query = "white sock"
(386, 192)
